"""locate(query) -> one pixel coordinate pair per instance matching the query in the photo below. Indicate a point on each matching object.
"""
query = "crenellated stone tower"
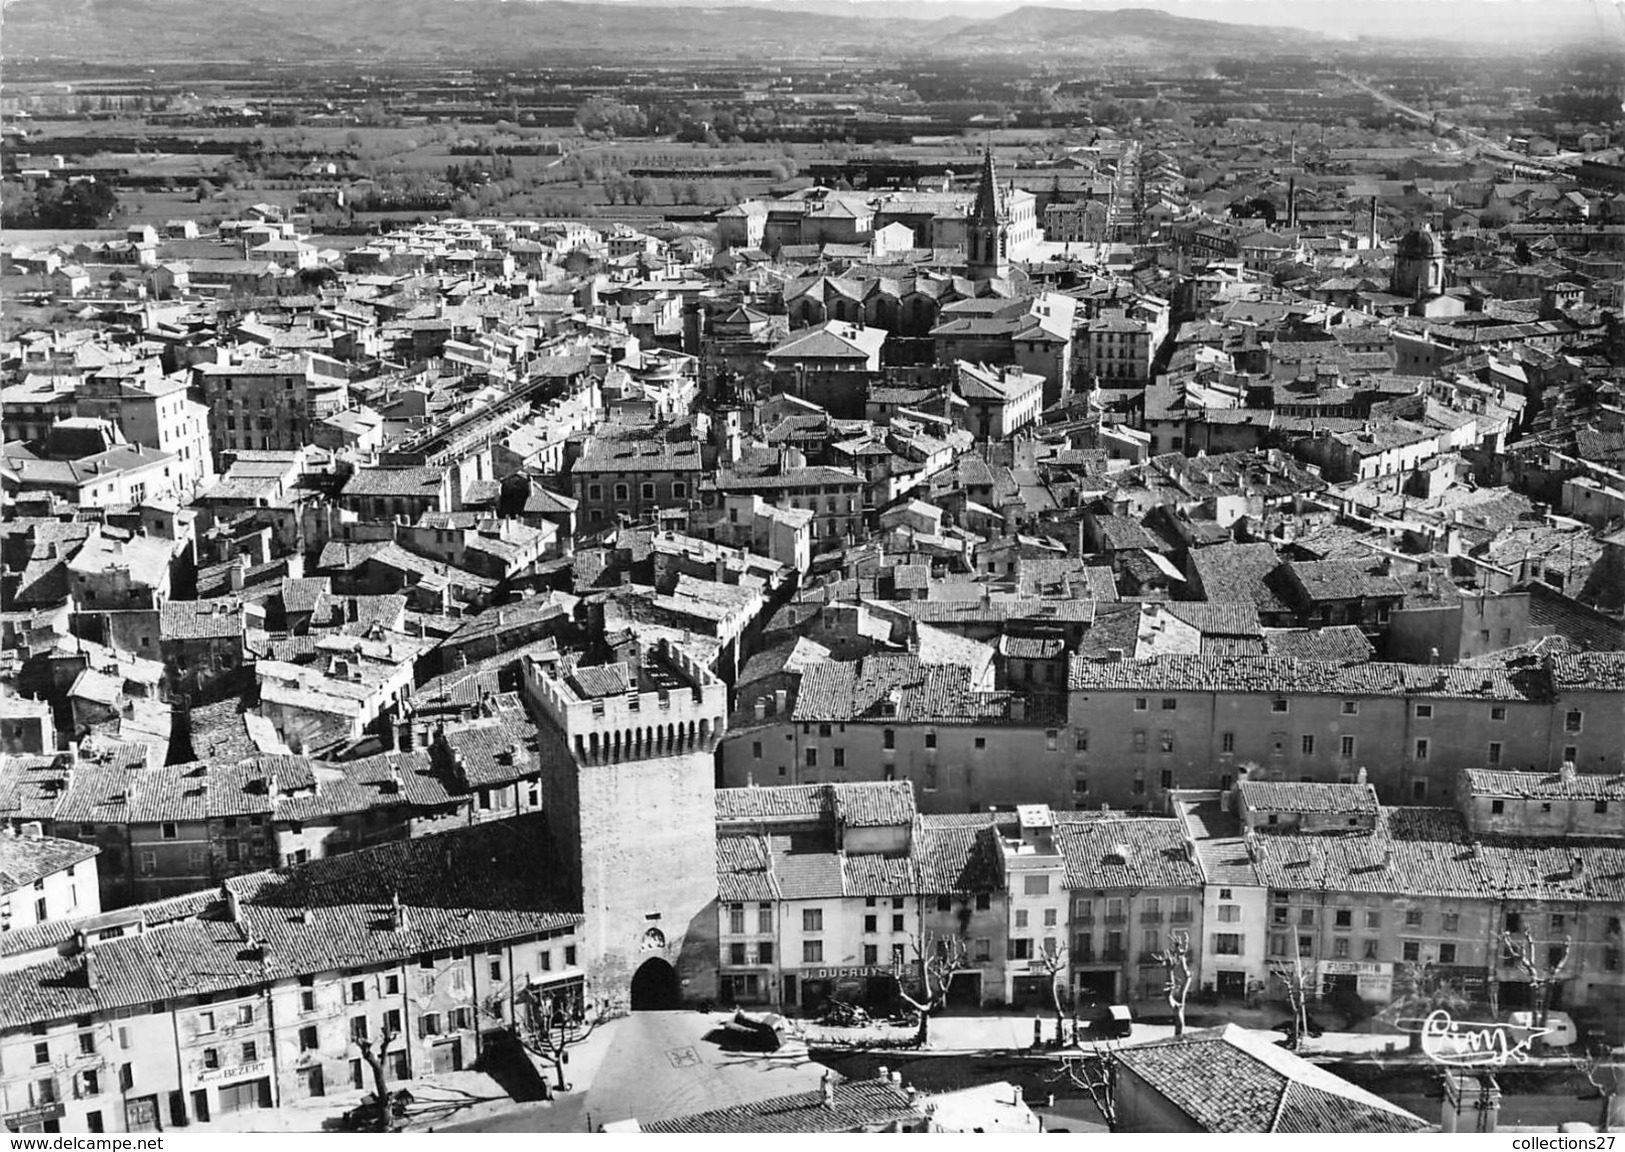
(631, 804)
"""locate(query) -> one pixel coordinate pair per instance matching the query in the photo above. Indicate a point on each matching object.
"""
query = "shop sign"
(39, 1114)
(234, 1072)
(1354, 968)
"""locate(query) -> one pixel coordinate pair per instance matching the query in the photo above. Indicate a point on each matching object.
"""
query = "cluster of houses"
(501, 611)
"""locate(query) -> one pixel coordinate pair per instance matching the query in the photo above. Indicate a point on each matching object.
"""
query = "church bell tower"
(988, 235)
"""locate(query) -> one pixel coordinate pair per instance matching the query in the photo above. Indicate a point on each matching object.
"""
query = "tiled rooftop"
(1284, 676)
(859, 1106)
(1231, 1080)
(856, 805)
(458, 889)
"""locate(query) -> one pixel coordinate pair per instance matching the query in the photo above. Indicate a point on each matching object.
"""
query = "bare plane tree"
(1608, 1077)
(1054, 963)
(549, 1025)
(939, 958)
(376, 1057)
(1520, 947)
(1176, 958)
(1292, 978)
(1095, 1071)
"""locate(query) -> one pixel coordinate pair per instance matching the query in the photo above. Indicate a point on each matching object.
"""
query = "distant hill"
(152, 31)
(401, 30)
(1126, 31)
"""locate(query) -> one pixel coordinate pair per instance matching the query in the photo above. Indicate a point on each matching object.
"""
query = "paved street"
(660, 1064)
(964, 1034)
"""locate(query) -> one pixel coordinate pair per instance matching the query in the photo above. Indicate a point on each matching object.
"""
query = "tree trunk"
(380, 1084)
(923, 1034)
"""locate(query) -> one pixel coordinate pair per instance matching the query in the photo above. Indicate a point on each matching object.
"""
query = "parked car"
(1562, 1032)
(754, 1031)
(365, 1115)
(1114, 1022)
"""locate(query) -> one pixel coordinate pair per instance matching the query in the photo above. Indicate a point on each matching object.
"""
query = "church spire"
(988, 232)
(989, 201)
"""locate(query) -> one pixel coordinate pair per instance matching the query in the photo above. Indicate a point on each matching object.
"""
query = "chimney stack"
(1468, 1093)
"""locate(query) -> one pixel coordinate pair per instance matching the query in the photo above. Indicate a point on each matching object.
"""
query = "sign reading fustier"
(1354, 968)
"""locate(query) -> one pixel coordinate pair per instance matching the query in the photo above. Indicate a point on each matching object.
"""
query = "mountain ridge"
(514, 30)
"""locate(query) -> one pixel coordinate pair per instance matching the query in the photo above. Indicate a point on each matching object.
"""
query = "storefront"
(745, 988)
(965, 990)
(235, 1088)
(1097, 985)
(141, 1114)
(447, 1056)
(1369, 980)
(873, 987)
(1031, 992)
(245, 1095)
(41, 1118)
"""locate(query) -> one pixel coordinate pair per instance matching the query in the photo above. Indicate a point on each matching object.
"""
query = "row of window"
(1112, 946)
(738, 955)
(1572, 720)
(249, 1052)
(1498, 807)
(623, 492)
(1149, 906)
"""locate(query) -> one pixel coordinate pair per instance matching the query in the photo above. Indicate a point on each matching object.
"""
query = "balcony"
(1150, 917)
(1113, 955)
(1083, 956)
(1119, 919)
(1180, 917)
